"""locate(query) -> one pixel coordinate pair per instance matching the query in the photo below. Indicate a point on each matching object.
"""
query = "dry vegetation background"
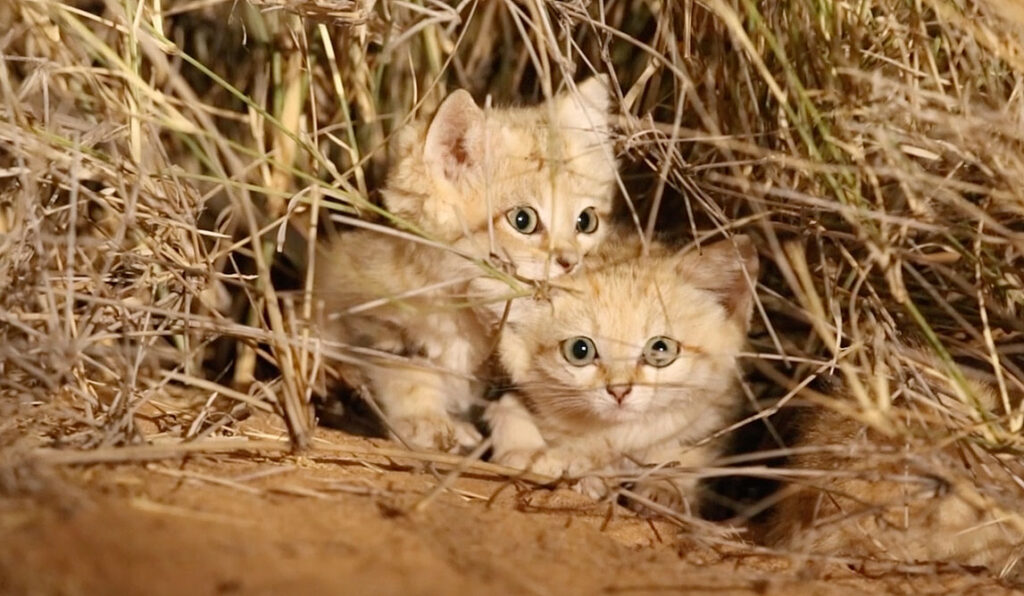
(152, 154)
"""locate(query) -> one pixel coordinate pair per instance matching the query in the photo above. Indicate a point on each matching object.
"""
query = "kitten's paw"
(592, 486)
(538, 462)
(426, 431)
(546, 463)
(467, 436)
(664, 494)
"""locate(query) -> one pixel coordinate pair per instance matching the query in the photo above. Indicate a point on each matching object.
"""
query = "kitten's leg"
(461, 395)
(516, 440)
(413, 401)
(412, 397)
(518, 443)
(674, 491)
(457, 350)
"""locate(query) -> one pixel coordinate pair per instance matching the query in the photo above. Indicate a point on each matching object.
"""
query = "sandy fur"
(911, 497)
(455, 179)
(560, 418)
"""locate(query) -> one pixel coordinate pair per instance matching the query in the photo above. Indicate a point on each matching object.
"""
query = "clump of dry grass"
(152, 155)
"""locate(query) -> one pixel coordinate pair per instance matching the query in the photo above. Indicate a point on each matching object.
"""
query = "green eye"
(579, 351)
(661, 351)
(586, 221)
(523, 219)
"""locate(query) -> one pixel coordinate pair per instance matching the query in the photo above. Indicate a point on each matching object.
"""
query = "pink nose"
(566, 261)
(619, 392)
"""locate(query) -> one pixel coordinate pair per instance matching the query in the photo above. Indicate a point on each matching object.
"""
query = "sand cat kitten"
(526, 188)
(626, 363)
(924, 495)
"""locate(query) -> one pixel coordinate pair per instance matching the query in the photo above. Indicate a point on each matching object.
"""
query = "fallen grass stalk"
(156, 452)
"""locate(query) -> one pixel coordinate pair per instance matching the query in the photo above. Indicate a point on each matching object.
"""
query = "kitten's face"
(532, 187)
(633, 339)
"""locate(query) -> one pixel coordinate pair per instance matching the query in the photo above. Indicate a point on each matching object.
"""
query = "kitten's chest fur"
(645, 438)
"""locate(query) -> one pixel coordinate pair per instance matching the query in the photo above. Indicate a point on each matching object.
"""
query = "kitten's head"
(622, 341)
(532, 186)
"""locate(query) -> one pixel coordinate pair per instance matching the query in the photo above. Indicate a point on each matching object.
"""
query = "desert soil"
(336, 524)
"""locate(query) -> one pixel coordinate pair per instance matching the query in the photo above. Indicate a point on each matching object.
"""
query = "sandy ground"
(310, 525)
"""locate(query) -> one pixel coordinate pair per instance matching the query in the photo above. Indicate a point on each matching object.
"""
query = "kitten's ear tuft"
(723, 268)
(455, 140)
(587, 106)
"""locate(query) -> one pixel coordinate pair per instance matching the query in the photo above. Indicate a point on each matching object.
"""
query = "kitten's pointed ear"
(455, 140)
(587, 107)
(723, 269)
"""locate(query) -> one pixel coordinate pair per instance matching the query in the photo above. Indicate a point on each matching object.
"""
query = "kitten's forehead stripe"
(621, 304)
(625, 305)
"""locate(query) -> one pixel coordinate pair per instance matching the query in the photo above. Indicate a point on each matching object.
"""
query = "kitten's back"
(923, 494)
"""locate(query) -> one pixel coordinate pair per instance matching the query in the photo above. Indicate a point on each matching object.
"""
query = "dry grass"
(152, 155)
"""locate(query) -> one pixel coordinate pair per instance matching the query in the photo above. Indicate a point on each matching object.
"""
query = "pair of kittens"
(617, 360)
